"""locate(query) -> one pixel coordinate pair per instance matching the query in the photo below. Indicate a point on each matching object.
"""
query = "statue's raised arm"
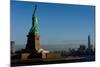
(34, 10)
(34, 27)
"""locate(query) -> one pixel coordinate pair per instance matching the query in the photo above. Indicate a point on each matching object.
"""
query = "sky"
(58, 23)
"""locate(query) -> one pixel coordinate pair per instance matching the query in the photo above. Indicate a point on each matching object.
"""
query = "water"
(58, 47)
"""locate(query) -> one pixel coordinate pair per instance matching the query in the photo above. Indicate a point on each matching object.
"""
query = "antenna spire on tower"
(89, 42)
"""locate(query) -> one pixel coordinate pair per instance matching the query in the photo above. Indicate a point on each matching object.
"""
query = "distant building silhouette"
(90, 50)
(82, 48)
(89, 42)
(12, 47)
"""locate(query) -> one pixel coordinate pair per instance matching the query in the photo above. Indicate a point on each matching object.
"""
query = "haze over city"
(58, 24)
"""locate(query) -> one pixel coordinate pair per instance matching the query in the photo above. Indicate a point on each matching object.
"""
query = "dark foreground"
(51, 61)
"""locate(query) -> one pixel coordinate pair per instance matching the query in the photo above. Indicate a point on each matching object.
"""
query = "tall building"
(89, 42)
(12, 47)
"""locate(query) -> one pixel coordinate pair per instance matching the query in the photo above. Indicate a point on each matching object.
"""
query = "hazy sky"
(58, 23)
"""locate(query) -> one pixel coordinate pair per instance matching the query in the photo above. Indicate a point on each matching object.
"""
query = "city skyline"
(57, 22)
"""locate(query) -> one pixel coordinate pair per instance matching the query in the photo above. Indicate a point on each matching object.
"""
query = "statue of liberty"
(33, 41)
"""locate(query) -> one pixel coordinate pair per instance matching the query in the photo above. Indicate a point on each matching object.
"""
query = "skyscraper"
(89, 42)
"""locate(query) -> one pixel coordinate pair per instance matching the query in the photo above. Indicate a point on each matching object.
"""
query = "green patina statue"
(34, 28)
